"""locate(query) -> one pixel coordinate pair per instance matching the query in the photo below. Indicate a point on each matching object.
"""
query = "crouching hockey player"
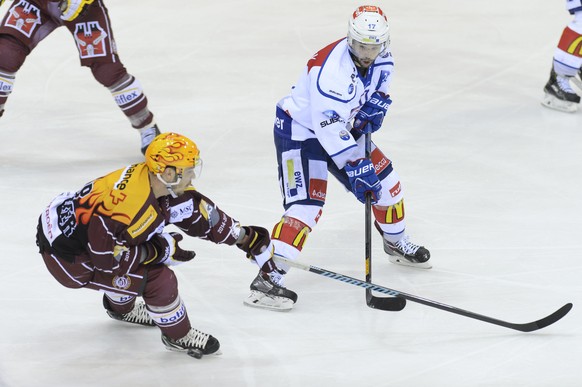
(346, 81)
(109, 236)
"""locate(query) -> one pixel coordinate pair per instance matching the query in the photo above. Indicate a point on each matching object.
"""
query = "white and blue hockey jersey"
(328, 95)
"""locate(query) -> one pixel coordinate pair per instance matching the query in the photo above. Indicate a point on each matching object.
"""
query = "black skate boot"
(576, 82)
(138, 315)
(147, 136)
(407, 253)
(268, 292)
(559, 95)
(195, 344)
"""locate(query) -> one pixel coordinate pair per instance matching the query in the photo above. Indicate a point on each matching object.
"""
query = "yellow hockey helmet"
(172, 150)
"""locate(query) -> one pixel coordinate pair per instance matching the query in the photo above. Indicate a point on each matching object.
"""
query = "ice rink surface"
(492, 183)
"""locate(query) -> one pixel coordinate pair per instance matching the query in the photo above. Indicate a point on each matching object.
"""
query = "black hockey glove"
(258, 246)
(372, 113)
(163, 248)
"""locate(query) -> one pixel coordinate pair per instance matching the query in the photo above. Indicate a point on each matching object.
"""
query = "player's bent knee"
(109, 74)
(161, 288)
(12, 54)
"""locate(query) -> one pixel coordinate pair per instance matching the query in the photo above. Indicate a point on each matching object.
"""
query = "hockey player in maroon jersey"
(28, 22)
(567, 65)
(109, 236)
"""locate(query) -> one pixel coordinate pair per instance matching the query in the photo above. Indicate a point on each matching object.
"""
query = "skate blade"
(552, 102)
(403, 262)
(263, 301)
(197, 354)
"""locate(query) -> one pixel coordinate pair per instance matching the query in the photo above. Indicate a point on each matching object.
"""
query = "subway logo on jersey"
(333, 118)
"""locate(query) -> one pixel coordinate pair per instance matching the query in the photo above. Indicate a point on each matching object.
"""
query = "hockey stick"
(383, 303)
(526, 327)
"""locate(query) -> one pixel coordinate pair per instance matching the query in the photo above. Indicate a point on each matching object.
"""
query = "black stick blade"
(392, 304)
(544, 322)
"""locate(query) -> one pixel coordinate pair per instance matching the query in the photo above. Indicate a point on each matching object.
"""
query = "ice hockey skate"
(407, 253)
(147, 136)
(195, 344)
(559, 95)
(138, 315)
(576, 82)
(267, 292)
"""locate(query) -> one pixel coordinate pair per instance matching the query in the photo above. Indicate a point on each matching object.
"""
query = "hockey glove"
(363, 179)
(166, 250)
(372, 113)
(71, 9)
(256, 242)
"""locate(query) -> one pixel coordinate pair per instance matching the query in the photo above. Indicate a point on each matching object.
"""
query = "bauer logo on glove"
(362, 176)
(372, 113)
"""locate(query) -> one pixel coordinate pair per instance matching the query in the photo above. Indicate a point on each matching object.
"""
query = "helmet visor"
(191, 173)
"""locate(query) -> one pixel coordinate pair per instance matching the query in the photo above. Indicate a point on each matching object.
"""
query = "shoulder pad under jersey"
(336, 78)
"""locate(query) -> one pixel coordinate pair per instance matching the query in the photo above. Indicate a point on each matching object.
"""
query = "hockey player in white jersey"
(319, 127)
(567, 65)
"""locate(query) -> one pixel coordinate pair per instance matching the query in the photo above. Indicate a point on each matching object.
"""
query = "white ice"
(492, 183)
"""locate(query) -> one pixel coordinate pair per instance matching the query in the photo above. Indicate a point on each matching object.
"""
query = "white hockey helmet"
(368, 25)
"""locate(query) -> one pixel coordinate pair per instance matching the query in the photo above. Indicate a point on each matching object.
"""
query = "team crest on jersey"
(123, 282)
(23, 17)
(90, 38)
(344, 135)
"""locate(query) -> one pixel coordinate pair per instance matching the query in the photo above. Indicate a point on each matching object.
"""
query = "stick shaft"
(525, 327)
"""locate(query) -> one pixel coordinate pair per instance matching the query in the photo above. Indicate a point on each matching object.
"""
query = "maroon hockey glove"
(166, 250)
(257, 244)
(255, 241)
